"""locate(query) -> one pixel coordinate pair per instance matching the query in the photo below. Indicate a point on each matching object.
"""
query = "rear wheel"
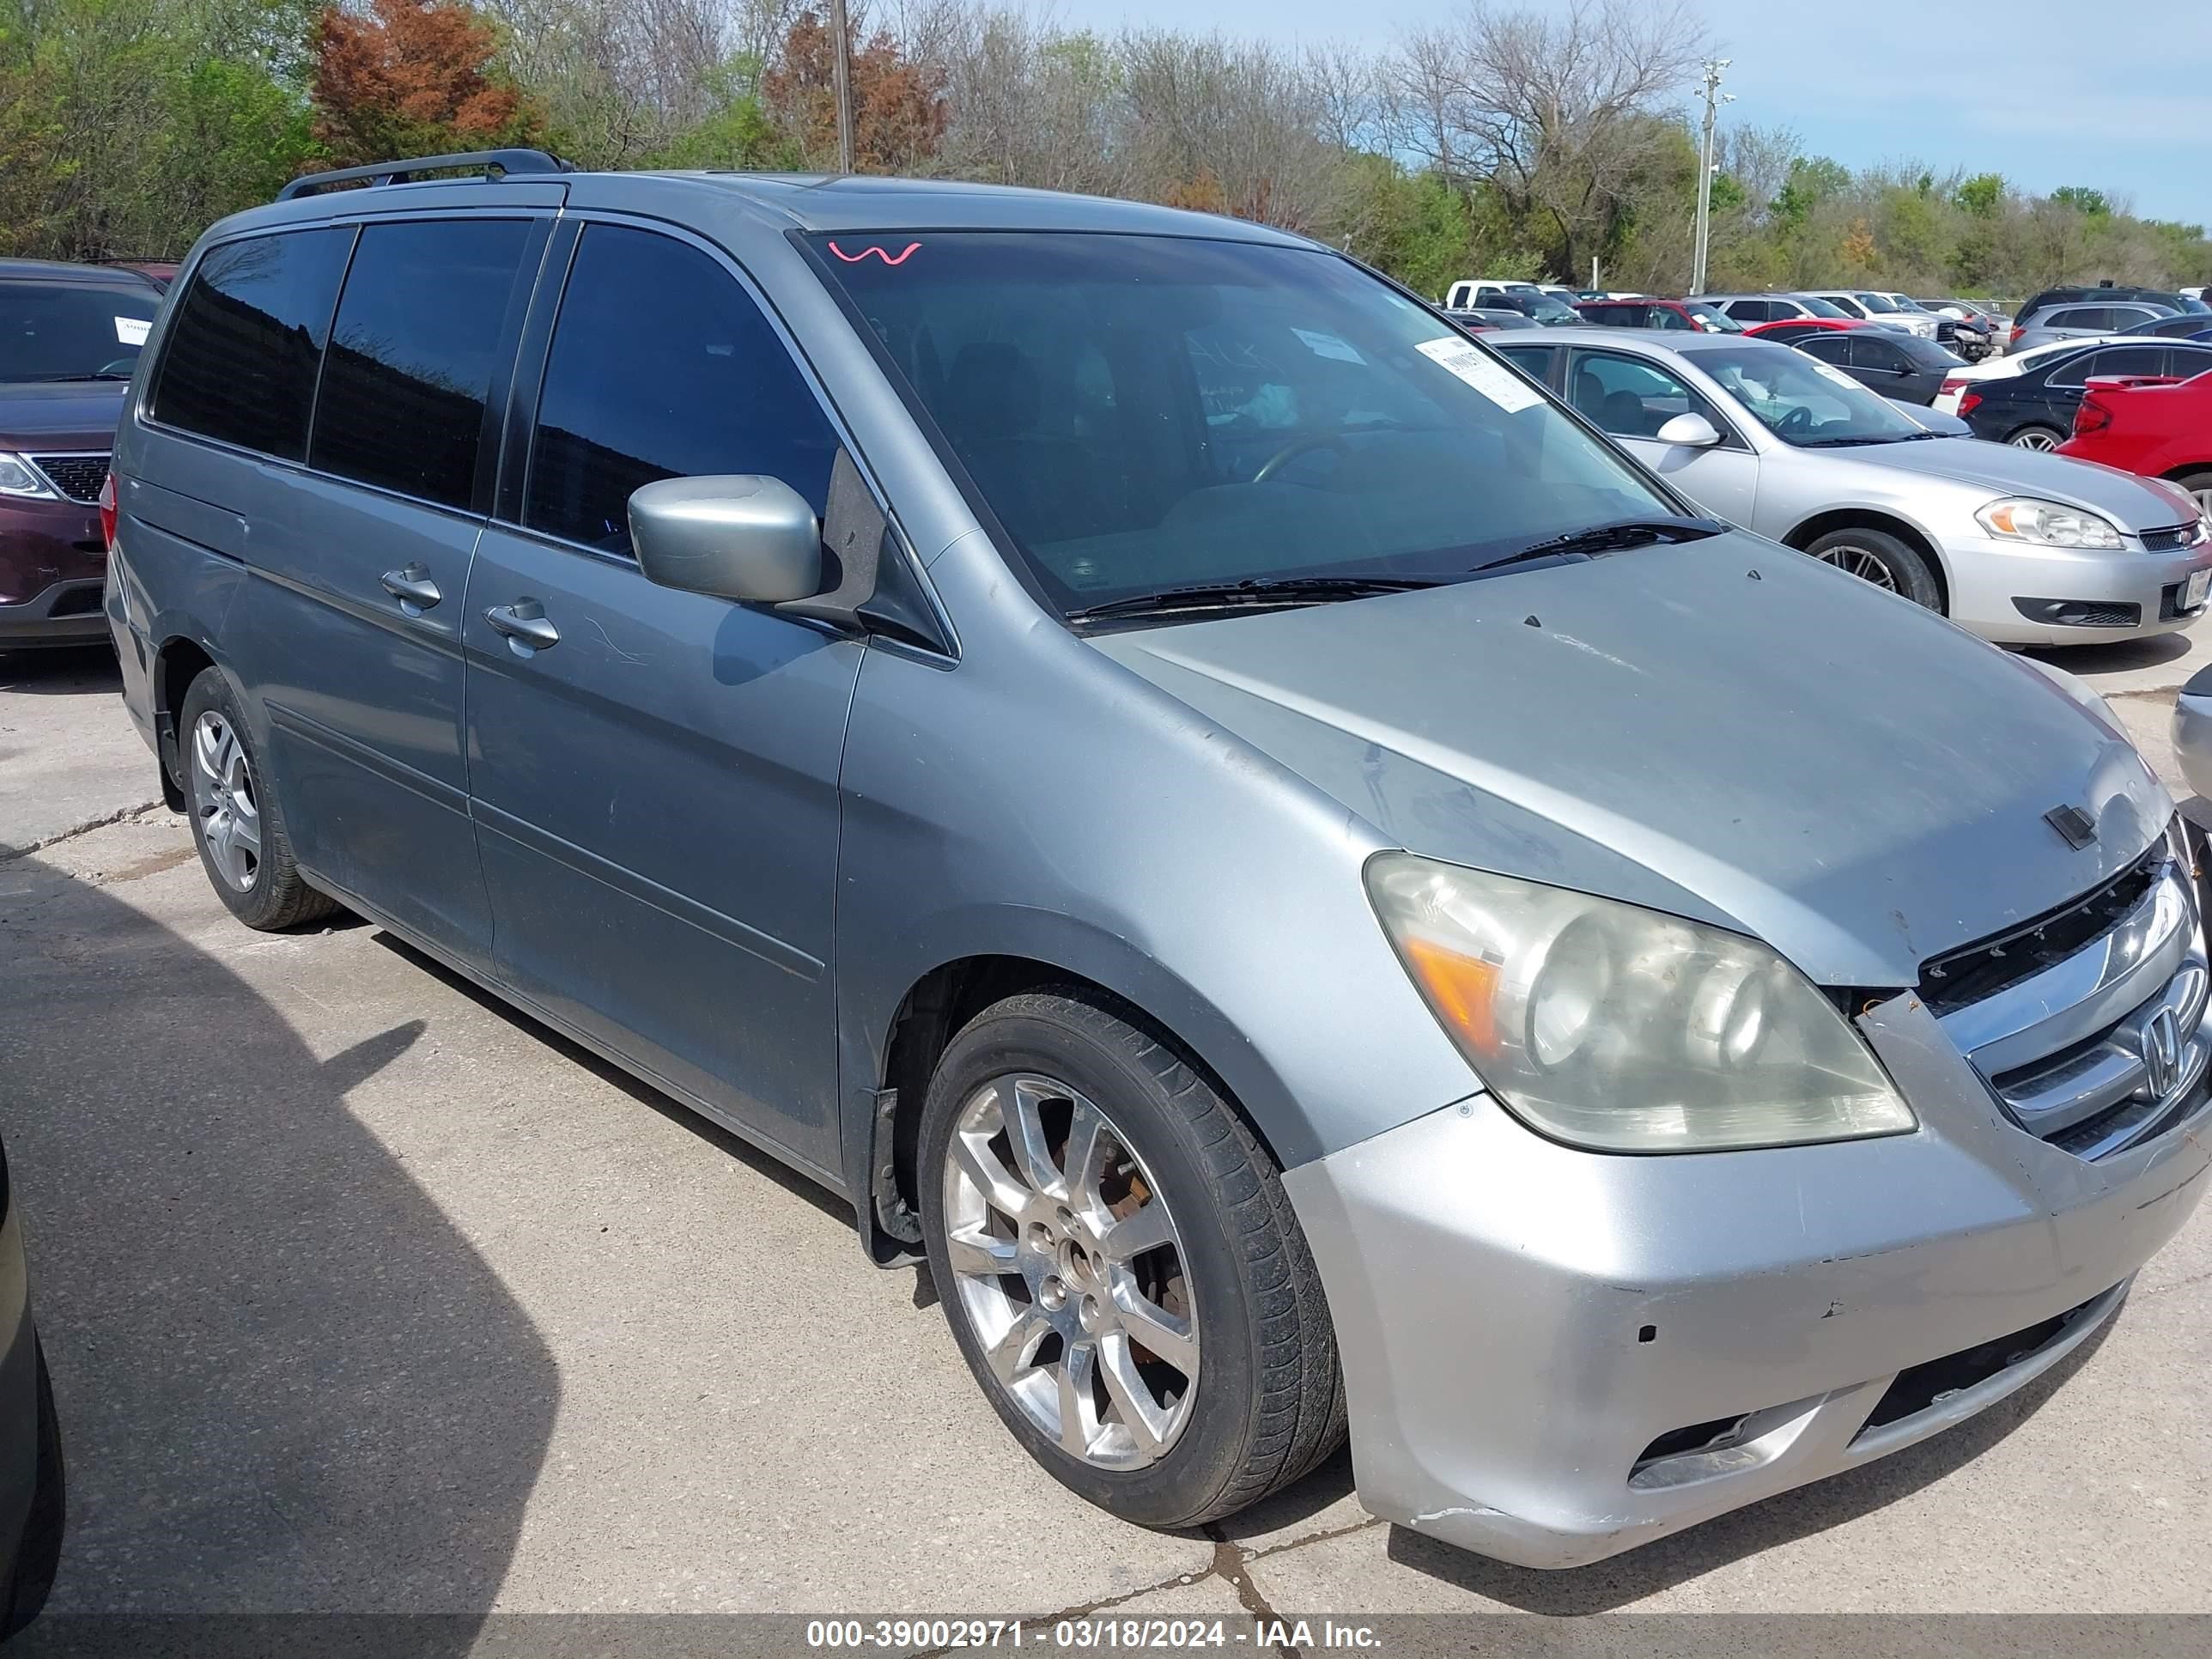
(2036, 437)
(236, 823)
(2199, 484)
(1885, 561)
(1120, 1266)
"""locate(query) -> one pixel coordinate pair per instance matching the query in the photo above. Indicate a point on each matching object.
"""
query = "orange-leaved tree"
(899, 110)
(411, 77)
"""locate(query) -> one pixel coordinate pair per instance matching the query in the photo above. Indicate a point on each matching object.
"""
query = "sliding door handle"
(412, 586)
(524, 622)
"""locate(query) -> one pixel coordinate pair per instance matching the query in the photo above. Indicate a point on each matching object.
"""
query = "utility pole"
(842, 77)
(1714, 99)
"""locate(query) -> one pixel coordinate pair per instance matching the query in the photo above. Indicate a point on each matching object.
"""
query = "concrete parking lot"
(363, 1293)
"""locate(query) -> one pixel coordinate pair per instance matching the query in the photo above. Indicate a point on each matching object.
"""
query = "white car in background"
(1996, 369)
(1867, 306)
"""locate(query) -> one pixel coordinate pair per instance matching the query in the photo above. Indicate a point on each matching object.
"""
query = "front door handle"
(523, 622)
(412, 588)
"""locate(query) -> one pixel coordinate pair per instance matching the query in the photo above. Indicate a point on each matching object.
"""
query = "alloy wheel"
(1858, 561)
(2033, 441)
(230, 819)
(1070, 1271)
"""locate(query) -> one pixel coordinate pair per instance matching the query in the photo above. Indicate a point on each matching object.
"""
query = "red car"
(1790, 330)
(1691, 314)
(2160, 429)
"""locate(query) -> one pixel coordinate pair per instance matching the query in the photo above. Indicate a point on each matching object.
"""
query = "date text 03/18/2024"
(907, 1635)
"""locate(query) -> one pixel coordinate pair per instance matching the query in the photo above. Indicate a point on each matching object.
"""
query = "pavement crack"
(1234, 1564)
(8, 854)
(1365, 1523)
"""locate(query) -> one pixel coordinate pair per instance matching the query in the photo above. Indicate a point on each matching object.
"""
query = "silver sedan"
(2020, 547)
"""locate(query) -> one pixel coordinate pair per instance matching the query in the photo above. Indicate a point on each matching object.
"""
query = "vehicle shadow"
(707, 1129)
(2120, 656)
(1608, 1585)
(60, 671)
(287, 1383)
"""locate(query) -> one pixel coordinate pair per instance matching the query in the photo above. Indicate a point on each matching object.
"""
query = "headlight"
(17, 477)
(1614, 1027)
(2046, 524)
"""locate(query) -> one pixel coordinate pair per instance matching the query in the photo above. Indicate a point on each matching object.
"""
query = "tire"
(236, 823)
(2199, 484)
(1261, 1400)
(38, 1552)
(2036, 437)
(1883, 560)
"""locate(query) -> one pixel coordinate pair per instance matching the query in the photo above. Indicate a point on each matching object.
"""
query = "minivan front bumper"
(1552, 1355)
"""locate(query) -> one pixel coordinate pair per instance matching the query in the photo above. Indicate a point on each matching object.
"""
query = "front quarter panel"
(1039, 800)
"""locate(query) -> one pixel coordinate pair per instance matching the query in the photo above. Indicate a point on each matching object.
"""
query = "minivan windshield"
(1145, 414)
(71, 330)
(1805, 402)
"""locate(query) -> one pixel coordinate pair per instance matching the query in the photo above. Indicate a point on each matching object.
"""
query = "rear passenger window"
(248, 338)
(413, 352)
(662, 367)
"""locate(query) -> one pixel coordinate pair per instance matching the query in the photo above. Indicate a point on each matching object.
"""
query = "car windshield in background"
(1805, 402)
(1876, 302)
(1145, 414)
(73, 331)
(1713, 318)
(1546, 309)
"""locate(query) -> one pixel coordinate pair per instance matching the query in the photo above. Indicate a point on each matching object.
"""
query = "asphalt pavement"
(364, 1294)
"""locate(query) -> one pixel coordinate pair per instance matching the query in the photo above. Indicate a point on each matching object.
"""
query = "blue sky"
(2046, 92)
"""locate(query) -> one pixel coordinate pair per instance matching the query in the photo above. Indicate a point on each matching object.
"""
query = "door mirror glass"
(1692, 430)
(735, 536)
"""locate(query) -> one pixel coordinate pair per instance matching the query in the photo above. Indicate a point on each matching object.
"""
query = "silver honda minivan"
(1311, 888)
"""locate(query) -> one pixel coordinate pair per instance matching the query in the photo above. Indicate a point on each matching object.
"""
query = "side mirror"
(1691, 430)
(735, 536)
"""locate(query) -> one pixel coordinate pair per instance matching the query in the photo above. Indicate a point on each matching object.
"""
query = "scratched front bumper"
(1519, 1322)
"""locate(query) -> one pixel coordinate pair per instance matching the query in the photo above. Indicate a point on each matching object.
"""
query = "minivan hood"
(44, 414)
(2006, 469)
(1721, 729)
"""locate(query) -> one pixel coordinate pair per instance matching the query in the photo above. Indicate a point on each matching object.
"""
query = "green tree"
(2090, 203)
(1981, 195)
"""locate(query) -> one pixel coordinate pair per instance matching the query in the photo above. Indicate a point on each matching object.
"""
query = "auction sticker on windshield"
(1494, 381)
(132, 331)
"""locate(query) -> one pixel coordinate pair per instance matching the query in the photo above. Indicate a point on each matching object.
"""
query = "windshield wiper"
(1287, 590)
(1856, 443)
(1608, 538)
(101, 374)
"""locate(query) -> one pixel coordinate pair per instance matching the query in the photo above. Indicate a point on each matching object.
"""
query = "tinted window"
(1752, 311)
(247, 337)
(412, 354)
(2098, 316)
(1869, 353)
(1629, 396)
(1534, 361)
(662, 367)
(72, 330)
(1826, 344)
(2187, 360)
(2111, 360)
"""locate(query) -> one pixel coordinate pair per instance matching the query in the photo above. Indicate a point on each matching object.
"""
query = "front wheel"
(1120, 1266)
(1875, 556)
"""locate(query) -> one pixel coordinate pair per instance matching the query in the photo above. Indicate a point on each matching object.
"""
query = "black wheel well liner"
(179, 662)
(1871, 518)
(936, 1009)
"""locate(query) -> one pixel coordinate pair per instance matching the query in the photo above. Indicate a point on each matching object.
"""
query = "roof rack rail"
(399, 172)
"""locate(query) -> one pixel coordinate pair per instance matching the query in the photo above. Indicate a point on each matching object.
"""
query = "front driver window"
(1630, 397)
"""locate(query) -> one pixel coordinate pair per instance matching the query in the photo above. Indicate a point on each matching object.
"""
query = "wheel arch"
(1869, 518)
(888, 1077)
(180, 660)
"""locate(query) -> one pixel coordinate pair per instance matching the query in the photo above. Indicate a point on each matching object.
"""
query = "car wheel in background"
(236, 823)
(1881, 559)
(1120, 1266)
(2036, 437)
(2199, 484)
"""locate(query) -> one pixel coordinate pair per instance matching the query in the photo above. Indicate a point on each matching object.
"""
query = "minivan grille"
(78, 477)
(1972, 972)
(2088, 1024)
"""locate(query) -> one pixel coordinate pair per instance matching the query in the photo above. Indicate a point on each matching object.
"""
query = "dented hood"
(1723, 729)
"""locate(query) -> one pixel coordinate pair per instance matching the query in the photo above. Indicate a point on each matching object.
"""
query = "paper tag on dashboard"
(1327, 345)
(1465, 360)
(132, 331)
